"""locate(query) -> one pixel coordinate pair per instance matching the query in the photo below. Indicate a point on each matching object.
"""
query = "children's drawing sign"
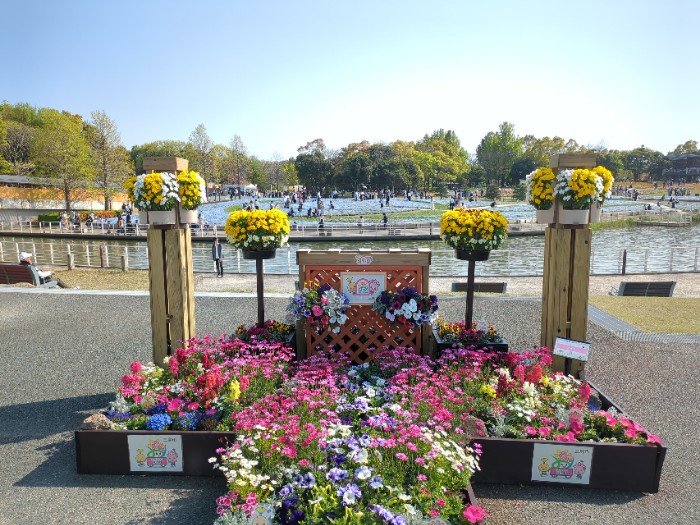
(561, 463)
(572, 349)
(361, 287)
(155, 453)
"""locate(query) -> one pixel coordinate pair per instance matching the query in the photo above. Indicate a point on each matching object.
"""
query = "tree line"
(67, 152)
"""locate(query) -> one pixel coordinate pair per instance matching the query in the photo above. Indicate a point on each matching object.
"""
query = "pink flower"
(420, 461)
(544, 431)
(316, 310)
(135, 367)
(401, 456)
(651, 438)
(530, 431)
(473, 514)
(193, 406)
(421, 477)
(440, 502)
(576, 426)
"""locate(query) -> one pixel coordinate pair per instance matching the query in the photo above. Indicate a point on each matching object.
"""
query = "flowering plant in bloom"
(199, 387)
(269, 331)
(192, 189)
(340, 445)
(458, 333)
(153, 191)
(540, 188)
(320, 306)
(578, 189)
(408, 307)
(473, 230)
(257, 229)
(607, 178)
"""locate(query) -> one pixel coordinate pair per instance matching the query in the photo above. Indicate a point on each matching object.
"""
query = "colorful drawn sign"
(262, 515)
(572, 349)
(154, 453)
(560, 463)
(362, 288)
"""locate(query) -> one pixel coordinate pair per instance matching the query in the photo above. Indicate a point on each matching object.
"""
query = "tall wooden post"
(567, 256)
(170, 275)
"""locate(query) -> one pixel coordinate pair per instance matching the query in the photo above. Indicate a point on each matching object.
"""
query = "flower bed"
(478, 337)
(395, 440)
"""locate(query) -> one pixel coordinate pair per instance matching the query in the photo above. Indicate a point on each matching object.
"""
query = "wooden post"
(171, 277)
(567, 257)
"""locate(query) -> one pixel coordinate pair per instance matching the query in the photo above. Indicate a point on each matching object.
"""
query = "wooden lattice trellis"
(366, 331)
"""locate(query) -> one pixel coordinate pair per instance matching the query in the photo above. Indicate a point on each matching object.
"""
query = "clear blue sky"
(283, 73)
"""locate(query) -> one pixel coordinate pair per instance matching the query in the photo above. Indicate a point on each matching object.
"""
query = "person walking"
(217, 253)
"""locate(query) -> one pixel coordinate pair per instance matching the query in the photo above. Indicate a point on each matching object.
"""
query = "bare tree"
(111, 159)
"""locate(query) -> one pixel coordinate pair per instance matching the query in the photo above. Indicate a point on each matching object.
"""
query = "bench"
(646, 289)
(481, 287)
(22, 273)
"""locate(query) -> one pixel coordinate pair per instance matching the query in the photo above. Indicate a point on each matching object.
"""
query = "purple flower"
(376, 482)
(336, 474)
(350, 493)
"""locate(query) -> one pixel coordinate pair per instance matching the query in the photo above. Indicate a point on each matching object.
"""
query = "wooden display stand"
(366, 330)
(567, 256)
(170, 275)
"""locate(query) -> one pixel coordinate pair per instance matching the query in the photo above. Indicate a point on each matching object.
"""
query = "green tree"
(239, 160)
(111, 159)
(611, 159)
(16, 147)
(291, 177)
(159, 148)
(447, 160)
(641, 160)
(498, 151)
(689, 146)
(540, 150)
(313, 168)
(201, 145)
(520, 169)
(62, 153)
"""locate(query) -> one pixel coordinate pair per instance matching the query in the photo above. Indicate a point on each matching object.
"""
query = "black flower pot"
(472, 255)
(256, 255)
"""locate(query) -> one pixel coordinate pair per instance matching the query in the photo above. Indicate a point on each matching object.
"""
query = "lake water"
(648, 250)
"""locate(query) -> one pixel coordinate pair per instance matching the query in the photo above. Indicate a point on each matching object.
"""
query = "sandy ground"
(687, 284)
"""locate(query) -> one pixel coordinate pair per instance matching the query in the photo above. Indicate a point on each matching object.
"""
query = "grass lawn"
(105, 279)
(673, 315)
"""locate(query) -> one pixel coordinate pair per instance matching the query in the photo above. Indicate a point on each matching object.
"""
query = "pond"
(647, 249)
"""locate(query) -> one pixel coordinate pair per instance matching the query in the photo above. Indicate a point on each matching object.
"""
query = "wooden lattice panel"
(366, 331)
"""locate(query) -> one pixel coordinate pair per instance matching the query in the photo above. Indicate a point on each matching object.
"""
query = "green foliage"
(689, 146)
(159, 148)
(492, 192)
(498, 151)
(520, 192)
(314, 171)
(62, 153)
(520, 169)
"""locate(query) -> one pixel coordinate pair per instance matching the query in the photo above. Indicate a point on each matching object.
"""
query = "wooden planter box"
(618, 466)
(117, 451)
(441, 344)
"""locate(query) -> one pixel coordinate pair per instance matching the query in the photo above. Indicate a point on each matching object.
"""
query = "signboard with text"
(571, 349)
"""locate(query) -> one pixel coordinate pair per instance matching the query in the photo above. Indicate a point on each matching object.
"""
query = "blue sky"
(280, 74)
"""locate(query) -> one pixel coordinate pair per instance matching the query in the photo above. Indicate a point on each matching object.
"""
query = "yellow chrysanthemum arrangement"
(192, 189)
(153, 191)
(473, 230)
(257, 229)
(578, 189)
(607, 177)
(540, 188)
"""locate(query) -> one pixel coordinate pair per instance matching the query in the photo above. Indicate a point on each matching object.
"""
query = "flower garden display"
(540, 193)
(193, 193)
(257, 230)
(575, 191)
(479, 336)
(607, 179)
(154, 192)
(270, 331)
(408, 307)
(322, 307)
(258, 233)
(473, 234)
(473, 230)
(310, 430)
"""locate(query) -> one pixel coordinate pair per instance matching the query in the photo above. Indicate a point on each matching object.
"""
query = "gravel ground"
(64, 353)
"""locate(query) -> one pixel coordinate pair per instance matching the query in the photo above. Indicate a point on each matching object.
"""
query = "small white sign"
(262, 515)
(561, 463)
(361, 287)
(155, 453)
(572, 349)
